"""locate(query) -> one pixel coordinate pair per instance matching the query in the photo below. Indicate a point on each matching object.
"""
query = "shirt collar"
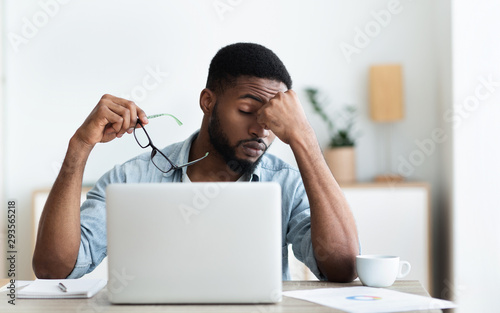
(180, 155)
(256, 173)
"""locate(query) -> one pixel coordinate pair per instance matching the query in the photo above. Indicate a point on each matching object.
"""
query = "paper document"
(368, 300)
(49, 288)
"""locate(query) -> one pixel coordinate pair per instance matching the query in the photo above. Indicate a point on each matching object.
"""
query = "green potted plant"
(340, 154)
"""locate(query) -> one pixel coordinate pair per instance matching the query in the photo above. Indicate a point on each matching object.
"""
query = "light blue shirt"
(296, 219)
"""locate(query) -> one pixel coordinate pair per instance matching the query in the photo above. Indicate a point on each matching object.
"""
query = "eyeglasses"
(160, 160)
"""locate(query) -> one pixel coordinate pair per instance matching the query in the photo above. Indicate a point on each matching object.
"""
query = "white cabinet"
(391, 219)
(394, 220)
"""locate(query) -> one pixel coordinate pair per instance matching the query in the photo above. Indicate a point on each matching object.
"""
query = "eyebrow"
(250, 96)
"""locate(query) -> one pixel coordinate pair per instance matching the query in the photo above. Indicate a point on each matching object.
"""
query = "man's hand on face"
(285, 117)
(111, 118)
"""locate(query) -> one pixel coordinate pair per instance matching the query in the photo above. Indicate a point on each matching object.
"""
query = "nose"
(256, 130)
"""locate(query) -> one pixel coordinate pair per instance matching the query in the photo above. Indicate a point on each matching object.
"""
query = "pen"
(62, 287)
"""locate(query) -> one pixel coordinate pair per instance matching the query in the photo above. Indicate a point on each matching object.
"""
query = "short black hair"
(245, 59)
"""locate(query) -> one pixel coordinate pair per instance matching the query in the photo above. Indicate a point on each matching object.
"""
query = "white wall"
(88, 48)
(476, 51)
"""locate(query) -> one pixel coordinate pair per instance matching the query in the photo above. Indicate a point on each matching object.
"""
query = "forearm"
(333, 229)
(58, 238)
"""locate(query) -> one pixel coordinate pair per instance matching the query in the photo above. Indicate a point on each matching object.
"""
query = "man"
(247, 103)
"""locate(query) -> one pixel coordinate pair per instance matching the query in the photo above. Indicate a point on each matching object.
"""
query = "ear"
(207, 101)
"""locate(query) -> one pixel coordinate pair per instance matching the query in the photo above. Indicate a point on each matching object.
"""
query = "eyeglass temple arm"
(192, 162)
(164, 114)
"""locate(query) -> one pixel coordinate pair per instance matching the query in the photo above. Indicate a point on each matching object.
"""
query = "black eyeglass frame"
(156, 150)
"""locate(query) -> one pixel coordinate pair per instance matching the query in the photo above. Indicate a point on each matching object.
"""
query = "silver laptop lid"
(194, 243)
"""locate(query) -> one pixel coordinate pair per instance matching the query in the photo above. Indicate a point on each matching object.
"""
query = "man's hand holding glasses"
(111, 118)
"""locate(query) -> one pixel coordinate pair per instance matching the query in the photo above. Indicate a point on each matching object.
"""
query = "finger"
(125, 116)
(135, 111)
(131, 106)
(142, 116)
(130, 115)
(262, 119)
(262, 113)
(115, 121)
(117, 100)
(112, 124)
(104, 115)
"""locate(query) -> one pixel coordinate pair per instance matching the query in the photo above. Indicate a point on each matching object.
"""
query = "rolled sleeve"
(308, 256)
(82, 264)
(299, 236)
(299, 228)
(93, 235)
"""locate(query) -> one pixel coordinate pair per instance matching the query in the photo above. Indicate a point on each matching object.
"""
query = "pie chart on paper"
(363, 298)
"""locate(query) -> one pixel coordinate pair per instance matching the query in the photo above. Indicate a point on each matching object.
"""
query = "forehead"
(263, 88)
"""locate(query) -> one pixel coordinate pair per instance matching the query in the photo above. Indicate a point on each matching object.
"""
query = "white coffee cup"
(380, 270)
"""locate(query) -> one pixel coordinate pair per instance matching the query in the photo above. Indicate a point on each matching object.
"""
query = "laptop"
(194, 243)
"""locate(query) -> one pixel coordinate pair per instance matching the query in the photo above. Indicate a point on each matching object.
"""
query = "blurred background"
(59, 57)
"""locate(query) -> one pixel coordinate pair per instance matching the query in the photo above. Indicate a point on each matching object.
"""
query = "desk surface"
(100, 303)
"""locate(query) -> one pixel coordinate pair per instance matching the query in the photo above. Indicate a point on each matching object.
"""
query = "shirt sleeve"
(93, 238)
(299, 230)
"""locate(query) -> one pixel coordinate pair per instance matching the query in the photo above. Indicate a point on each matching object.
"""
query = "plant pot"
(342, 163)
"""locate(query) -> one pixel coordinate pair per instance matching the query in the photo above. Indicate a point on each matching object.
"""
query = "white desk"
(100, 303)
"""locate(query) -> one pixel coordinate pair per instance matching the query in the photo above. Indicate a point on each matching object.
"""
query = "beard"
(220, 142)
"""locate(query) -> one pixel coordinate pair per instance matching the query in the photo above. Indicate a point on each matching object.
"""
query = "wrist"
(306, 149)
(303, 139)
(78, 150)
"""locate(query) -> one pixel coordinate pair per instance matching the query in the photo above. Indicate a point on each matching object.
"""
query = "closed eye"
(245, 112)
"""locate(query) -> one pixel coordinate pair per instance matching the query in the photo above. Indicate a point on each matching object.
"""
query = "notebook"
(194, 243)
(49, 288)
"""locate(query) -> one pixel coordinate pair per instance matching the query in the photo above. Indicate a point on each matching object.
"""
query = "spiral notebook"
(49, 288)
